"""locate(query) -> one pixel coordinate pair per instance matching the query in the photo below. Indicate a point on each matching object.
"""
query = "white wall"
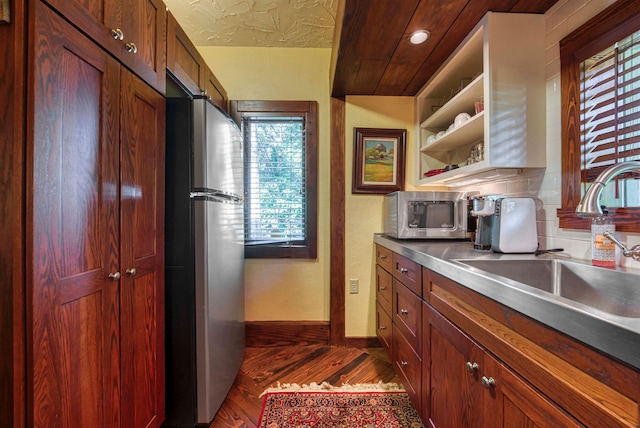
(560, 20)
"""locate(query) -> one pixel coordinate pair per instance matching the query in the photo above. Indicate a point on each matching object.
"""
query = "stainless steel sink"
(612, 291)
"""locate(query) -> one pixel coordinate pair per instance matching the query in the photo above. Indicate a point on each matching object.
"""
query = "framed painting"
(378, 160)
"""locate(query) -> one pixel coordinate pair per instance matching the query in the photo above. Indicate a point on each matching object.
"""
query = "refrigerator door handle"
(216, 196)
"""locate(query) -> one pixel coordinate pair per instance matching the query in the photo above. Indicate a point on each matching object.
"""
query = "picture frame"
(378, 160)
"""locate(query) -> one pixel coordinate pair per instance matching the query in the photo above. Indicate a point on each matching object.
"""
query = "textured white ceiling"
(263, 23)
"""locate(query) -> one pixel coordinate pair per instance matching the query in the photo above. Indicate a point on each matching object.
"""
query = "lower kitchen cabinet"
(513, 402)
(467, 387)
(452, 392)
(469, 361)
(407, 362)
(384, 328)
(384, 299)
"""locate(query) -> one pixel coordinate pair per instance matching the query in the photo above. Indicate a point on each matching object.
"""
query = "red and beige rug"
(349, 406)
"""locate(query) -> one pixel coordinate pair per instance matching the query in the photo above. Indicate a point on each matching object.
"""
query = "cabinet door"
(213, 89)
(72, 230)
(145, 42)
(100, 19)
(183, 59)
(383, 328)
(512, 402)
(384, 289)
(455, 391)
(142, 253)
(407, 314)
(132, 30)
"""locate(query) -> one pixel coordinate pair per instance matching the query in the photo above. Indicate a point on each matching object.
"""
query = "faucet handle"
(634, 252)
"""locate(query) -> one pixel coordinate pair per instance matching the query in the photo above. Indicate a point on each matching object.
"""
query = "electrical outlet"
(353, 286)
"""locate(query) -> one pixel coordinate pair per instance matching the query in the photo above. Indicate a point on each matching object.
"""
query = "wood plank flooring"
(265, 367)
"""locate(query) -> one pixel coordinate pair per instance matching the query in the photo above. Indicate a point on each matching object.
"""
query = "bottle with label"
(603, 250)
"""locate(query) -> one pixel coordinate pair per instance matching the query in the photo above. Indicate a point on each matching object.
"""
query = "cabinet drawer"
(407, 314)
(384, 289)
(384, 257)
(408, 365)
(383, 328)
(408, 272)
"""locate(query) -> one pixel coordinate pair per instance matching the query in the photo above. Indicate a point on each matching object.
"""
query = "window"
(600, 72)
(280, 177)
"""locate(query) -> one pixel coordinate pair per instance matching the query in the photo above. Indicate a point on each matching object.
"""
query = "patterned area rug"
(349, 406)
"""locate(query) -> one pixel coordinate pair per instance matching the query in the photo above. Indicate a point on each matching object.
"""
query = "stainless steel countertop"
(616, 336)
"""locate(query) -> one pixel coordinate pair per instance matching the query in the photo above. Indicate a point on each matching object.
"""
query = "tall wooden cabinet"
(87, 251)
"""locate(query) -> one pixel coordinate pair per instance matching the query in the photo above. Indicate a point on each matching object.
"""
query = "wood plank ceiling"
(374, 56)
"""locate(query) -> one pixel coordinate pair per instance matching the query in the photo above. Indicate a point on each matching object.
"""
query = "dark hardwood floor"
(265, 367)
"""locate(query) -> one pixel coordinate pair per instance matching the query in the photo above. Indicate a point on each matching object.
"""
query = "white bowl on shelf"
(461, 119)
(431, 139)
(440, 135)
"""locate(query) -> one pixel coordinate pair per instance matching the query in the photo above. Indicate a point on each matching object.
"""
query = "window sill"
(625, 219)
(280, 252)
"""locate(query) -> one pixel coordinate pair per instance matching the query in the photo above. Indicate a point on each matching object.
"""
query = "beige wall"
(364, 212)
(283, 289)
(299, 289)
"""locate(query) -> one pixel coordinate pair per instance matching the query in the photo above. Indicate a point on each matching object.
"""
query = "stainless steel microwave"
(427, 215)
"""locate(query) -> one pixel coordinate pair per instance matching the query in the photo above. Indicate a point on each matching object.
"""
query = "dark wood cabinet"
(133, 31)
(469, 361)
(408, 272)
(511, 401)
(384, 303)
(398, 290)
(214, 91)
(94, 236)
(142, 253)
(470, 388)
(183, 59)
(187, 66)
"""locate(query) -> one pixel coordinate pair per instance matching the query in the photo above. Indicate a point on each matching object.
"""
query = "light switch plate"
(354, 286)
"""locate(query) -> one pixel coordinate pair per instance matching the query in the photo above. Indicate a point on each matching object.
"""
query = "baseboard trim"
(262, 334)
(362, 342)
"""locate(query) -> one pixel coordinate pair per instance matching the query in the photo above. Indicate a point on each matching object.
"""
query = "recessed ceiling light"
(418, 37)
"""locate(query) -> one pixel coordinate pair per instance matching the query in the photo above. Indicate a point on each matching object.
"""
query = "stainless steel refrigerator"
(204, 259)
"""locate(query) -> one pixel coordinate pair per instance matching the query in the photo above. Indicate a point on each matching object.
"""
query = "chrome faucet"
(589, 206)
(634, 252)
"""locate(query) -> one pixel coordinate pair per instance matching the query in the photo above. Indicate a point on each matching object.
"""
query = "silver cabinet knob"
(404, 363)
(117, 34)
(131, 271)
(488, 382)
(114, 276)
(383, 257)
(404, 311)
(472, 367)
(404, 270)
(382, 327)
(131, 48)
(382, 288)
